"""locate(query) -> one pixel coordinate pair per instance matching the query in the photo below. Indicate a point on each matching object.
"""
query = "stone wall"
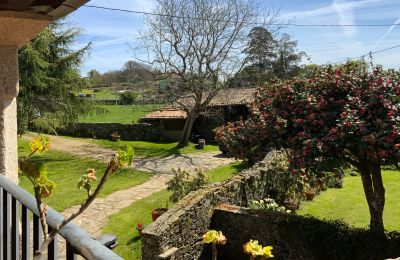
(128, 132)
(177, 234)
(297, 237)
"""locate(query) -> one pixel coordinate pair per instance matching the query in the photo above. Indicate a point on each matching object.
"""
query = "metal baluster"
(37, 233)
(53, 248)
(14, 229)
(6, 226)
(26, 223)
(70, 252)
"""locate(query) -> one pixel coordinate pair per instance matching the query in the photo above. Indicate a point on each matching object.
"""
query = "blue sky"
(113, 32)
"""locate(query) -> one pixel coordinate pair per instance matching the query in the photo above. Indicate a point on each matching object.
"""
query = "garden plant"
(43, 187)
(330, 117)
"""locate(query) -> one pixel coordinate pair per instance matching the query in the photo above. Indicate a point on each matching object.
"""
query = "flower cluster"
(214, 237)
(254, 249)
(39, 144)
(267, 204)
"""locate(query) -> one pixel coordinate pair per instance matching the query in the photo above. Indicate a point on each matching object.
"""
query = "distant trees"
(131, 72)
(268, 58)
(50, 79)
(198, 45)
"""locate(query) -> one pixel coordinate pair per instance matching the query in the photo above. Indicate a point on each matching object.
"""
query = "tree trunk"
(187, 129)
(374, 192)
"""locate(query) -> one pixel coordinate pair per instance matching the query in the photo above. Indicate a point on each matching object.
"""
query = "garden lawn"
(103, 94)
(349, 203)
(120, 114)
(65, 169)
(123, 223)
(152, 149)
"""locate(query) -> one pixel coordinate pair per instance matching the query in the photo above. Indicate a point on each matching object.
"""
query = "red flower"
(139, 227)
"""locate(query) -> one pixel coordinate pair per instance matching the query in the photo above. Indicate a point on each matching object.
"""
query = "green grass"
(349, 203)
(120, 114)
(103, 94)
(123, 223)
(65, 169)
(152, 149)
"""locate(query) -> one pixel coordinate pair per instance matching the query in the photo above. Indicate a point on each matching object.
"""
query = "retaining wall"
(177, 234)
(128, 132)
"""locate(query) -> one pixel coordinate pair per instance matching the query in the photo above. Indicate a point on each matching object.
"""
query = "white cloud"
(346, 17)
(332, 8)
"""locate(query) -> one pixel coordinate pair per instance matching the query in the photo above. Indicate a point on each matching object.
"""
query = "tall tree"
(288, 58)
(50, 79)
(198, 43)
(261, 49)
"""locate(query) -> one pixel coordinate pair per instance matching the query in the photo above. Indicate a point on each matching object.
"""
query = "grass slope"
(349, 203)
(120, 114)
(65, 169)
(123, 223)
(152, 149)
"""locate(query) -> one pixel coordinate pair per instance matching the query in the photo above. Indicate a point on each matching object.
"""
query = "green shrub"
(128, 97)
(280, 183)
(183, 183)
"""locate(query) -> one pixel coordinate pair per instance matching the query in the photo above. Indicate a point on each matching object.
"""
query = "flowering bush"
(346, 114)
(254, 249)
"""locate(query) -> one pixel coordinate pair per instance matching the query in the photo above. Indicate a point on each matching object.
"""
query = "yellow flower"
(268, 251)
(215, 237)
(253, 248)
(39, 144)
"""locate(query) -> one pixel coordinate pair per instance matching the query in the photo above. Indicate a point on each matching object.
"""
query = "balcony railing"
(19, 238)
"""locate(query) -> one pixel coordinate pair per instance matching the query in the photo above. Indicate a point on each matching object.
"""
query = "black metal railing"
(19, 238)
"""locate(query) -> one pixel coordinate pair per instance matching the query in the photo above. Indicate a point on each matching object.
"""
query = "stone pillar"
(9, 83)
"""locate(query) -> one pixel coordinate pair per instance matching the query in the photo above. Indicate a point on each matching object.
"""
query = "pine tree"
(50, 80)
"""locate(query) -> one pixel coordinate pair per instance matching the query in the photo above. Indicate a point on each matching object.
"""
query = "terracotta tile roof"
(227, 97)
(233, 96)
(168, 112)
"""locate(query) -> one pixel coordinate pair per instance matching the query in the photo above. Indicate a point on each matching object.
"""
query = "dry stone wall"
(177, 234)
(128, 132)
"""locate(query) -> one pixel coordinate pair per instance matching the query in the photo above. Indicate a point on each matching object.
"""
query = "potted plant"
(292, 204)
(115, 137)
(309, 193)
(155, 213)
(139, 228)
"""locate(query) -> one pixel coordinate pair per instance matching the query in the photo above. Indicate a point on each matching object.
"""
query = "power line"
(272, 24)
(369, 53)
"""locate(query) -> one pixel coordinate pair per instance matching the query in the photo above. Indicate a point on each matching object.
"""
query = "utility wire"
(271, 24)
(369, 53)
(277, 24)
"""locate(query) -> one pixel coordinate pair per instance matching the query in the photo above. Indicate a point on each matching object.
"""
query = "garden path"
(96, 216)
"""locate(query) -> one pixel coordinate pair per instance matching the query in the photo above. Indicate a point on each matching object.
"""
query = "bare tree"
(197, 45)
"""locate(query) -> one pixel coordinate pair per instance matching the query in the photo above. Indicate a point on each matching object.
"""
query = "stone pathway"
(190, 162)
(96, 216)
